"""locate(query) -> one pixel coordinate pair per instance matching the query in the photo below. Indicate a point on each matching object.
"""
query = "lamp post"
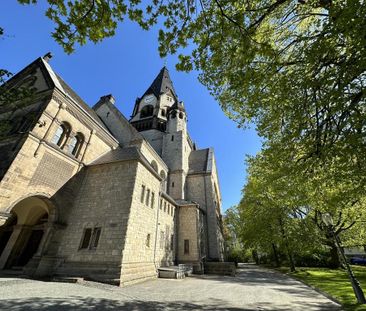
(328, 221)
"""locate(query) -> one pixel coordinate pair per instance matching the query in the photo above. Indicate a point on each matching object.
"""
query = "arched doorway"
(22, 235)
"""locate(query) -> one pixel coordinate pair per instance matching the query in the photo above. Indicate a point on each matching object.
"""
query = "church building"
(86, 192)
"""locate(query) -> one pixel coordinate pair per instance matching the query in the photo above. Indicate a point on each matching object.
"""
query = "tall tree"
(296, 68)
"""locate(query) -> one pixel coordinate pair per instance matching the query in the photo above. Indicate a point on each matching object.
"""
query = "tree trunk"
(291, 260)
(255, 256)
(334, 262)
(275, 254)
(289, 252)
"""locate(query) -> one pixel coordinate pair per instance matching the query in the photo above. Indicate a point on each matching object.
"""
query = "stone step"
(171, 274)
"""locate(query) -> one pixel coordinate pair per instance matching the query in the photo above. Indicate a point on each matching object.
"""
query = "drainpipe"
(86, 147)
(157, 221)
(176, 215)
(207, 235)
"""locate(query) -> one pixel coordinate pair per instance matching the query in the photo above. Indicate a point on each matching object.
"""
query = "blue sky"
(125, 66)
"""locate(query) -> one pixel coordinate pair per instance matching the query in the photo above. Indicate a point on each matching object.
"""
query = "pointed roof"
(54, 81)
(161, 84)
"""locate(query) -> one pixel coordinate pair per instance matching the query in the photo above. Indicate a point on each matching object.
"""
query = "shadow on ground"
(79, 303)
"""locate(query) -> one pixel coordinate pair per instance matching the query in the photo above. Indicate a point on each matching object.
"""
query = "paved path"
(252, 289)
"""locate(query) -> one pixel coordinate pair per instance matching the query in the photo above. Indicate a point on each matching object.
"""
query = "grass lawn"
(334, 282)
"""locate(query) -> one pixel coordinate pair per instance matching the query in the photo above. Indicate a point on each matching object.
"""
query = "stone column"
(47, 252)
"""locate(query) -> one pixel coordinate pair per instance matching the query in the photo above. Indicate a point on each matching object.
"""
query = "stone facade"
(86, 192)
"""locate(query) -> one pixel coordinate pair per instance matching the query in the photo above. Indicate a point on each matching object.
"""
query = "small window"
(186, 247)
(142, 193)
(152, 199)
(61, 135)
(173, 184)
(172, 137)
(181, 115)
(76, 144)
(95, 238)
(90, 238)
(163, 112)
(168, 208)
(73, 144)
(147, 197)
(172, 242)
(147, 111)
(154, 165)
(148, 239)
(164, 206)
(161, 203)
(86, 238)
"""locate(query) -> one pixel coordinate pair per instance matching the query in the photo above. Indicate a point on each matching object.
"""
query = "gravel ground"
(253, 288)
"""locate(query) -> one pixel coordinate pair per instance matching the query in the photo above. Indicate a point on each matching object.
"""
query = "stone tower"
(161, 118)
(176, 150)
(149, 115)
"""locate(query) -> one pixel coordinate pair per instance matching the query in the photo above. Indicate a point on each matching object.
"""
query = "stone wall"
(155, 139)
(220, 268)
(41, 167)
(103, 201)
(201, 189)
(188, 231)
(148, 234)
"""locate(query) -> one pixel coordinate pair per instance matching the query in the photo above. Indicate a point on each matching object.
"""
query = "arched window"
(76, 144)
(163, 112)
(147, 111)
(174, 114)
(162, 175)
(61, 134)
(154, 165)
(181, 115)
(163, 182)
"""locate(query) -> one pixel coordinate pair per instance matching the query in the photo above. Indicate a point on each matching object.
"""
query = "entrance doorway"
(21, 237)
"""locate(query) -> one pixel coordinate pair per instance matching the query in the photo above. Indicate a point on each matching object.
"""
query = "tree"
(295, 68)
(274, 213)
(283, 205)
(232, 228)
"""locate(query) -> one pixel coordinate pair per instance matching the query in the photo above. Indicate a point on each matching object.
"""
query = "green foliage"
(235, 250)
(282, 206)
(295, 68)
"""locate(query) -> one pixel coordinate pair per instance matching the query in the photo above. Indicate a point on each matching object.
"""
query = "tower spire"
(161, 84)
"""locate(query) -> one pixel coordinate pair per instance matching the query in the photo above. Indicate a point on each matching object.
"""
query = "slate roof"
(119, 154)
(161, 84)
(68, 90)
(198, 160)
(55, 81)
